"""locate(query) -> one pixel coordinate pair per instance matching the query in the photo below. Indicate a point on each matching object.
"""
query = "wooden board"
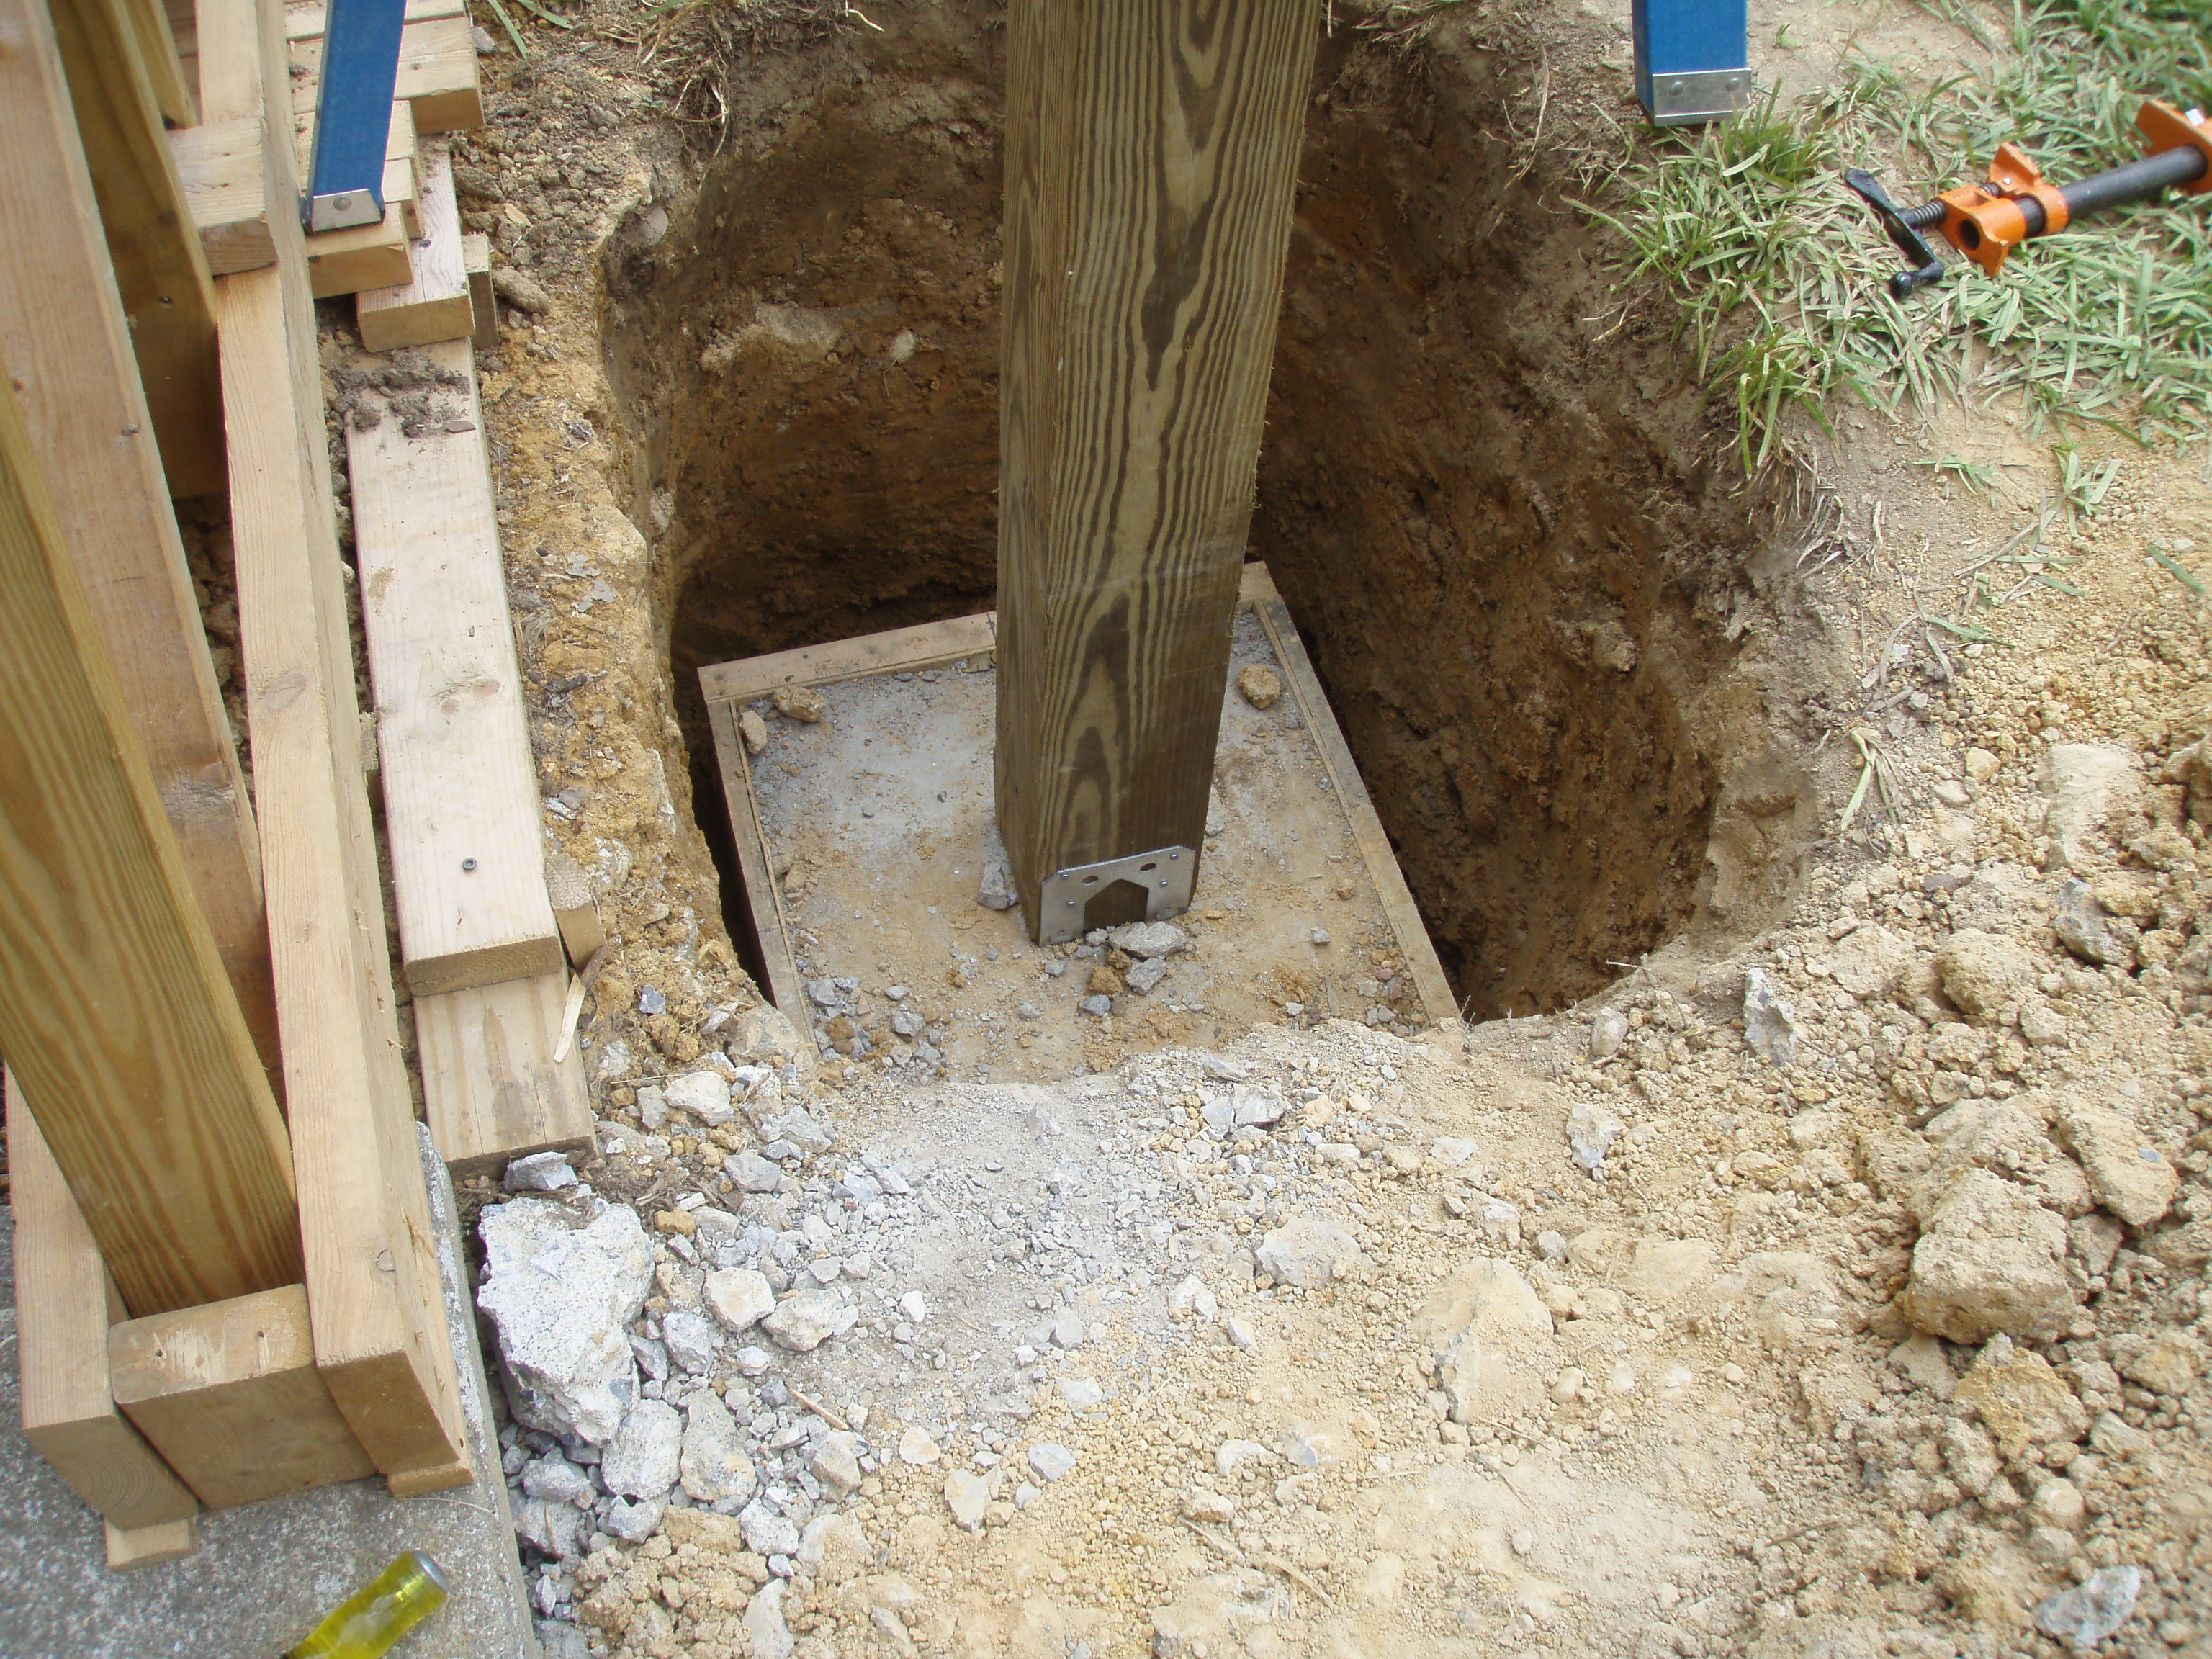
(460, 790)
(491, 1088)
(175, 94)
(365, 256)
(148, 1547)
(229, 1395)
(1151, 157)
(66, 341)
(434, 304)
(476, 258)
(381, 1342)
(63, 1309)
(763, 897)
(114, 1009)
(437, 74)
(1258, 590)
(304, 20)
(899, 648)
(160, 271)
(226, 179)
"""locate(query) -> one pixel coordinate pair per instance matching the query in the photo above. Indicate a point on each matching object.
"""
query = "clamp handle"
(1927, 269)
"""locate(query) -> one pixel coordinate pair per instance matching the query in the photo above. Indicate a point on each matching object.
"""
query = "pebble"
(692, 1342)
(751, 1360)
(1067, 1330)
(836, 1462)
(804, 1320)
(916, 1447)
(1098, 1006)
(768, 1530)
(641, 1460)
(1607, 1032)
(751, 1173)
(738, 1297)
(704, 1095)
(800, 703)
(1081, 1393)
(1150, 938)
(540, 1172)
(1051, 1461)
(1523, 1541)
(2085, 1615)
(1240, 1333)
(1260, 685)
(915, 1307)
(966, 1495)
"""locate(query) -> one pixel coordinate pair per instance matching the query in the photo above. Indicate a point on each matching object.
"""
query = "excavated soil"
(1522, 583)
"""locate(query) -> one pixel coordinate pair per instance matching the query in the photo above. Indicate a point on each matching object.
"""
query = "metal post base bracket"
(1690, 58)
(1166, 876)
(353, 113)
(1699, 95)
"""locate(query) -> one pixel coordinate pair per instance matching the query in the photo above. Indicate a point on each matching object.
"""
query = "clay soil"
(1611, 698)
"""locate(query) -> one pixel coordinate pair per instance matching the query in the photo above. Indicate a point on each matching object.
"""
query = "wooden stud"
(229, 1395)
(438, 74)
(224, 166)
(467, 860)
(184, 30)
(176, 93)
(779, 968)
(64, 1303)
(66, 341)
(114, 1009)
(304, 20)
(483, 304)
(362, 257)
(491, 1088)
(148, 1547)
(1151, 158)
(159, 270)
(434, 304)
(575, 911)
(380, 1339)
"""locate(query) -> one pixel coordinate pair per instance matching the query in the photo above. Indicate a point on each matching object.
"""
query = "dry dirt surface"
(1802, 1252)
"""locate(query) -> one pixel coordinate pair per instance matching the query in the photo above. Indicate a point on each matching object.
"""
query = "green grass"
(1777, 270)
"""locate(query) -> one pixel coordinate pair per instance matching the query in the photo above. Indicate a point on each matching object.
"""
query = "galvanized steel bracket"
(1167, 876)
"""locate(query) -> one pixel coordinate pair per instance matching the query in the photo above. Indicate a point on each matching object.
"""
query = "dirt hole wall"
(1492, 507)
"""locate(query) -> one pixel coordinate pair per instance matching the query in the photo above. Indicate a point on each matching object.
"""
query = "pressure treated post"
(1152, 160)
(115, 1013)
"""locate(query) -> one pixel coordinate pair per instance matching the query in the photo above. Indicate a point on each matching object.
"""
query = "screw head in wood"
(468, 864)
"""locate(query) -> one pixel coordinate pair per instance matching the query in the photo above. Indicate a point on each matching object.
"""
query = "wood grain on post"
(68, 345)
(114, 1010)
(1151, 159)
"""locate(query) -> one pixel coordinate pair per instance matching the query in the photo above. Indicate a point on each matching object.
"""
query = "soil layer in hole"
(1494, 523)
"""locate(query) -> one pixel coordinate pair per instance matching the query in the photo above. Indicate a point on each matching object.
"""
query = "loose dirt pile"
(1868, 1323)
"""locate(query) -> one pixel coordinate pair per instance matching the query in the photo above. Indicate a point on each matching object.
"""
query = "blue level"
(353, 112)
(1692, 59)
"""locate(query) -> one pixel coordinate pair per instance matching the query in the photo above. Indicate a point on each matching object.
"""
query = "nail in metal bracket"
(1166, 876)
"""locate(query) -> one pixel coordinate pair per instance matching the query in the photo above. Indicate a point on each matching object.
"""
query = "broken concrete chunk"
(738, 1297)
(763, 1036)
(1309, 1253)
(1591, 1131)
(704, 1095)
(836, 1462)
(752, 730)
(560, 1298)
(713, 1466)
(1150, 938)
(2129, 1176)
(806, 1320)
(540, 1172)
(1992, 1260)
(2083, 927)
(641, 1460)
(1143, 976)
(1491, 1340)
(800, 703)
(2085, 1615)
(965, 1495)
(995, 888)
(692, 1342)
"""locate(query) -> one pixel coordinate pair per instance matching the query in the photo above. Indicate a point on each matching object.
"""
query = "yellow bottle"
(379, 1613)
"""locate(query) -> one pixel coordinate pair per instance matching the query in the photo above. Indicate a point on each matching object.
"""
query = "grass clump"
(1779, 270)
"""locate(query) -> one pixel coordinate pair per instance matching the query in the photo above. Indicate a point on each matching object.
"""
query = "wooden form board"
(437, 75)
(729, 686)
(63, 1306)
(160, 271)
(434, 304)
(148, 1547)
(1151, 158)
(66, 341)
(460, 792)
(381, 1344)
(491, 1088)
(230, 1397)
(224, 167)
(176, 93)
(115, 1013)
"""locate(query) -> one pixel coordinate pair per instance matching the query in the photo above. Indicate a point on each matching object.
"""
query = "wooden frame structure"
(728, 687)
(219, 1301)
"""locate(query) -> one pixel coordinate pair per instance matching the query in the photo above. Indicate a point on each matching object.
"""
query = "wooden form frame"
(729, 686)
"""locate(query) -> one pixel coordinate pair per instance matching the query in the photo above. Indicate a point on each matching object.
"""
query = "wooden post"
(1151, 159)
(68, 344)
(114, 1010)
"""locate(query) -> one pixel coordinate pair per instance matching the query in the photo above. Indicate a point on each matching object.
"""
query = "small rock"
(738, 1297)
(1921, 1363)
(804, 1320)
(1591, 1131)
(753, 730)
(768, 1530)
(641, 1460)
(836, 1462)
(713, 1464)
(1081, 1393)
(692, 1342)
(995, 889)
(556, 1481)
(1607, 1032)
(751, 1173)
(1309, 1253)
(2087, 785)
(2057, 1503)
(1191, 1296)
(2168, 1366)
(1238, 1329)
(1051, 1461)
(800, 703)
(560, 1298)
(966, 1495)
(633, 1522)
(1201, 1505)
(1149, 939)
(1870, 961)
(2041, 1026)
(1260, 1106)
(751, 1360)
(524, 292)
(1982, 765)
(2081, 923)
(2020, 1398)
(540, 1172)
(766, 1633)
(1067, 1330)
(2128, 1174)
(1144, 976)
(1233, 1454)
(1770, 1021)
(1984, 974)
(1260, 684)
(1523, 1541)
(1097, 1007)
(2092, 1609)
(704, 1096)
(1954, 793)
(914, 1306)
(916, 1447)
